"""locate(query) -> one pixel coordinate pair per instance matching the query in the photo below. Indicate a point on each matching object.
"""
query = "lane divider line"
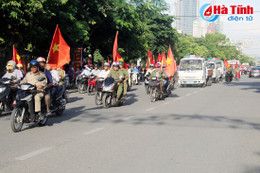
(34, 153)
(94, 131)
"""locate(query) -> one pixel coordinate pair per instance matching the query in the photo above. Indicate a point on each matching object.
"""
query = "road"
(197, 130)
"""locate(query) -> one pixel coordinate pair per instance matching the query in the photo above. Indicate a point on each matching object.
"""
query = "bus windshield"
(191, 64)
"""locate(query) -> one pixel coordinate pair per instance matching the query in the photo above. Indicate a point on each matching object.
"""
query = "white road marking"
(189, 94)
(34, 153)
(94, 131)
(166, 103)
(150, 109)
(128, 118)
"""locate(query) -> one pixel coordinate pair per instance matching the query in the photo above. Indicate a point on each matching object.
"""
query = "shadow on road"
(74, 99)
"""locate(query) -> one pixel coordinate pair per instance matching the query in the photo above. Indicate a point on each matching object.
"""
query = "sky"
(247, 32)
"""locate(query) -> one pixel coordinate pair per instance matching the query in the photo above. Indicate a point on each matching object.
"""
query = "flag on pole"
(115, 47)
(59, 53)
(108, 61)
(24, 65)
(150, 57)
(226, 63)
(171, 66)
(146, 64)
(116, 55)
(16, 58)
(159, 60)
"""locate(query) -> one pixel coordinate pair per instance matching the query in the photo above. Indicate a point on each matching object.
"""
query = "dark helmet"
(34, 63)
(95, 65)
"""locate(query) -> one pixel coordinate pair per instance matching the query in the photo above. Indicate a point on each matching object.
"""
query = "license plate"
(189, 82)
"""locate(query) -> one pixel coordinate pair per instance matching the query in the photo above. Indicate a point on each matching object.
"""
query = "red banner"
(77, 59)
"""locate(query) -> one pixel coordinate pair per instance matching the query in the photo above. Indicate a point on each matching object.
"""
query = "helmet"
(163, 65)
(34, 63)
(115, 64)
(10, 65)
(157, 66)
(121, 63)
(106, 64)
(95, 65)
(151, 65)
(41, 59)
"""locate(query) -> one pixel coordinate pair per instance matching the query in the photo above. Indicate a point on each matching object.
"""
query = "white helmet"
(41, 59)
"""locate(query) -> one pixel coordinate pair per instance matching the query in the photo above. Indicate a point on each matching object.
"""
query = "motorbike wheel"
(90, 90)
(43, 122)
(106, 101)
(81, 88)
(146, 89)
(98, 98)
(153, 95)
(16, 121)
(1, 108)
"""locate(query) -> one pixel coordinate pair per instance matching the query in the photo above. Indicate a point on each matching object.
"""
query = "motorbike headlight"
(2, 89)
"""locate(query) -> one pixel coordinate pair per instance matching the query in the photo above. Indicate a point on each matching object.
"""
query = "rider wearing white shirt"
(95, 71)
(104, 72)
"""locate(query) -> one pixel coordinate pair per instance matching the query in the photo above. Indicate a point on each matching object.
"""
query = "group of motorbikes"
(20, 100)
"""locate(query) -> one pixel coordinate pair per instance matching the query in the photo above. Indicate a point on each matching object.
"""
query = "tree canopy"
(142, 24)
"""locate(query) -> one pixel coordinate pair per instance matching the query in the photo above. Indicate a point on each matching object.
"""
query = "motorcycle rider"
(104, 72)
(237, 71)
(55, 79)
(150, 70)
(95, 71)
(159, 74)
(48, 89)
(12, 71)
(125, 76)
(61, 76)
(86, 71)
(32, 78)
(116, 74)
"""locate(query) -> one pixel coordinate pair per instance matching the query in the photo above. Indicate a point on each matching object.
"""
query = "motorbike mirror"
(41, 79)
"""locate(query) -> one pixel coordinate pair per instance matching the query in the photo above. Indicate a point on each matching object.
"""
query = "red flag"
(146, 65)
(236, 65)
(150, 60)
(163, 62)
(108, 61)
(24, 65)
(226, 63)
(59, 53)
(115, 47)
(153, 60)
(16, 58)
(159, 58)
(171, 66)
(121, 59)
(89, 63)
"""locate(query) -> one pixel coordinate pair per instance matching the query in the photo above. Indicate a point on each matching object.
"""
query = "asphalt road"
(197, 130)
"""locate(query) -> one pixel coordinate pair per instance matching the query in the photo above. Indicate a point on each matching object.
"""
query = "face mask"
(9, 67)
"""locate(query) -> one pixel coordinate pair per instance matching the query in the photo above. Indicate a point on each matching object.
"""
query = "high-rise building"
(187, 11)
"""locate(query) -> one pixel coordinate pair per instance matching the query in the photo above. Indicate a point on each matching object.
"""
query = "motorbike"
(229, 77)
(23, 111)
(136, 78)
(146, 85)
(82, 83)
(61, 97)
(155, 92)
(92, 83)
(99, 94)
(167, 87)
(7, 94)
(109, 94)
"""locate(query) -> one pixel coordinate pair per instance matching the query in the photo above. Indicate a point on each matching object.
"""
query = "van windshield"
(211, 66)
(191, 64)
